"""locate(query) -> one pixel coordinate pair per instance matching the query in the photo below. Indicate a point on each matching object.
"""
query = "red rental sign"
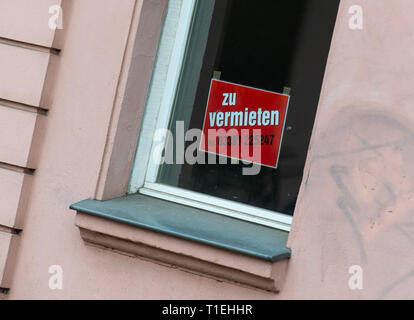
(244, 123)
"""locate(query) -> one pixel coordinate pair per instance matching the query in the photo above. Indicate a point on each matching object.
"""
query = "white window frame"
(157, 116)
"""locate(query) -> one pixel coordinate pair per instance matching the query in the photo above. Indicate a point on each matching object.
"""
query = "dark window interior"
(266, 44)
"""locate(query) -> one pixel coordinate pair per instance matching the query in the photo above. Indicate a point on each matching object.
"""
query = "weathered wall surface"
(356, 200)
(356, 205)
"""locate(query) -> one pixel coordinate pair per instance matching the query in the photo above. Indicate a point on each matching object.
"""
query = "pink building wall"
(356, 201)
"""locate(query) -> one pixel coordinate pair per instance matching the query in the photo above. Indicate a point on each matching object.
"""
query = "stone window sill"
(194, 240)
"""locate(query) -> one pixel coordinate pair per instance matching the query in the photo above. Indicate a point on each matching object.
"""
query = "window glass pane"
(265, 44)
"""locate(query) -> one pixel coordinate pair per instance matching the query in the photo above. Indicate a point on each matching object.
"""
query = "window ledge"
(199, 241)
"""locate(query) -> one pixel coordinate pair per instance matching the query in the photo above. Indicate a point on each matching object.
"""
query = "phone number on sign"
(252, 140)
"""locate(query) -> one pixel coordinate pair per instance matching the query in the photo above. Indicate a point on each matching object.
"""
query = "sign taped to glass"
(240, 120)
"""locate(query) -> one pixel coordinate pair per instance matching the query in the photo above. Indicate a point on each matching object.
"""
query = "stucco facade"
(69, 124)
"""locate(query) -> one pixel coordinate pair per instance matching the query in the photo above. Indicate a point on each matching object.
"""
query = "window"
(274, 46)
